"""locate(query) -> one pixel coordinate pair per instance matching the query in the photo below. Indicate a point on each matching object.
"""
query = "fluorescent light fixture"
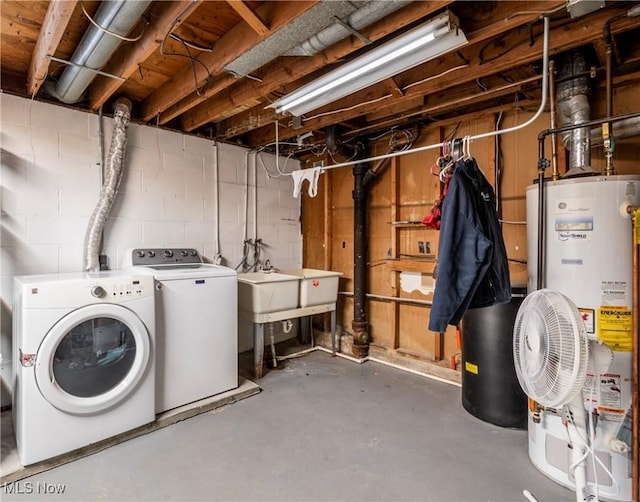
(427, 41)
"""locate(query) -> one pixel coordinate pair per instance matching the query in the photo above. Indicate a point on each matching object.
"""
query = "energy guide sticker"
(614, 328)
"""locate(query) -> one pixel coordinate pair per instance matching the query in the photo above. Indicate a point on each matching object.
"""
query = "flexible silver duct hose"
(112, 177)
(573, 106)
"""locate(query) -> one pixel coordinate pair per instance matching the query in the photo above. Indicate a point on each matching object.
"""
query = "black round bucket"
(490, 388)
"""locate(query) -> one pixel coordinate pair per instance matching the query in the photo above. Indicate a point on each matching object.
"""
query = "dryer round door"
(92, 359)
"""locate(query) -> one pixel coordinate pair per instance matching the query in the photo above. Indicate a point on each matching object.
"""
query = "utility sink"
(317, 287)
(264, 292)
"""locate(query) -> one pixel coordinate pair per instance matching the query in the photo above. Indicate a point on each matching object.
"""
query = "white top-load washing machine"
(83, 362)
(196, 324)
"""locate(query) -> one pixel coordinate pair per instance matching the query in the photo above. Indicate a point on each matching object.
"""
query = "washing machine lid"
(92, 359)
(191, 271)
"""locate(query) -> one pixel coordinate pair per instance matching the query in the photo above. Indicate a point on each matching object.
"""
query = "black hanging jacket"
(472, 265)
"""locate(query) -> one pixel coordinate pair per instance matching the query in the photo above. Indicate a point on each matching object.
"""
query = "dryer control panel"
(164, 256)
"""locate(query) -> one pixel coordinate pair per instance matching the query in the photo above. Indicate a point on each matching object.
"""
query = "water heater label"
(614, 328)
(589, 318)
(574, 219)
(614, 293)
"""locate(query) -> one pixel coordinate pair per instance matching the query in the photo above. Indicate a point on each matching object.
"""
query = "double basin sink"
(264, 292)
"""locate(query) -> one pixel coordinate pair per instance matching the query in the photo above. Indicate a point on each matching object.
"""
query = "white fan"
(551, 353)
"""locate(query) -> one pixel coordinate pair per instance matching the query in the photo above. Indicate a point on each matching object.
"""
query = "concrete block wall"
(50, 178)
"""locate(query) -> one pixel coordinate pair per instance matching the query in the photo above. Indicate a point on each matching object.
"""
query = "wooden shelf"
(412, 265)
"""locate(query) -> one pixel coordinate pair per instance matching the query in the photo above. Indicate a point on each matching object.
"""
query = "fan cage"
(550, 348)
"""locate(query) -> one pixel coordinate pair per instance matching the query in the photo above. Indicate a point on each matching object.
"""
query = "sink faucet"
(267, 267)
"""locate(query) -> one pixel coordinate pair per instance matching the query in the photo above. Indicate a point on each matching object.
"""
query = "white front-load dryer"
(83, 359)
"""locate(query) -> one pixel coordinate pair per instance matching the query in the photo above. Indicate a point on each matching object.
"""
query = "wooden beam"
(290, 70)
(250, 17)
(55, 23)
(235, 43)
(573, 33)
(281, 72)
(126, 62)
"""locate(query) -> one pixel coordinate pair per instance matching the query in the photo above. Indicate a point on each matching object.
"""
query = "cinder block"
(14, 110)
(30, 259)
(121, 234)
(61, 119)
(50, 230)
(44, 145)
(267, 198)
(75, 150)
(166, 183)
(198, 147)
(289, 233)
(71, 259)
(142, 206)
(33, 200)
(197, 232)
(155, 139)
(163, 234)
(77, 202)
(13, 230)
(279, 215)
(183, 208)
(232, 200)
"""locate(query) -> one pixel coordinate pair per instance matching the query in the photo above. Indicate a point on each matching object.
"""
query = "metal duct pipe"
(629, 128)
(363, 17)
(113, 175)
(97, 46)
(573, 107)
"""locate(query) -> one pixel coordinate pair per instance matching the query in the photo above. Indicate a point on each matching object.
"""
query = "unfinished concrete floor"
(323, 428)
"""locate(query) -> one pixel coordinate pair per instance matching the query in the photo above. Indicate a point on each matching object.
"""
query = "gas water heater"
(588, 257)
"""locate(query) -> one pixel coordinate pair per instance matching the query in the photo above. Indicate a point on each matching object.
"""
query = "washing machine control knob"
(151, 253)
(140, 254)
(168, 253)
(98, 292)
(183, 253)
(194, 252)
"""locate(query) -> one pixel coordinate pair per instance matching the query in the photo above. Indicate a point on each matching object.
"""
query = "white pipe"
(246, 194)
(255, 196)
(363, 360)
(543, 102)
(216, 207)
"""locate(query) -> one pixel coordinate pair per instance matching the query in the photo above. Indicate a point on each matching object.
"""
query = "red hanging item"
(433, 219)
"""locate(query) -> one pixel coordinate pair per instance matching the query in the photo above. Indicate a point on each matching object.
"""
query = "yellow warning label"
(614, 328)
(471, 368)
(636, 225)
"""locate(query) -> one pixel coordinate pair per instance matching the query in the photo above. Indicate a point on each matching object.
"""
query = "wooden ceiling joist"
(125, 63)
(575, 34)
(207, 111)
(237, 41)
(55, 23)
(251, 18)
(280, 73)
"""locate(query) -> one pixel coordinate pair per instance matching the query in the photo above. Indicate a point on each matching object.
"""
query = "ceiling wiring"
(193, 60)
(113, 34)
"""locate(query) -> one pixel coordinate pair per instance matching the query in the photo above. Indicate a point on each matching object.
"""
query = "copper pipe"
(552, 114)
(607, 129)
(635, 372)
